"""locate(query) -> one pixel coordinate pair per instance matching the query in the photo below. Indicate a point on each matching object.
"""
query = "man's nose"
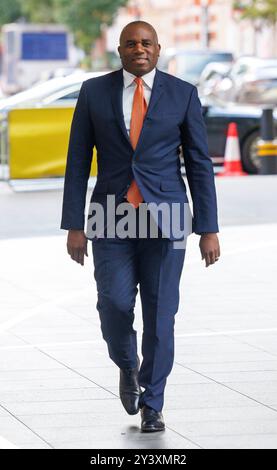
(139, 47)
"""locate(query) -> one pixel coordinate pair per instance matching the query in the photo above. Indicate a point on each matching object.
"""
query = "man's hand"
(209, 247)
(77, 245)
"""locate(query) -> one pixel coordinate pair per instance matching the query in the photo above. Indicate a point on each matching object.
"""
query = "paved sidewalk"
(59, 389)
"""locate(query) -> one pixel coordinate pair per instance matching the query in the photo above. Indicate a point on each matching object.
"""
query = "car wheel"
(249, 154)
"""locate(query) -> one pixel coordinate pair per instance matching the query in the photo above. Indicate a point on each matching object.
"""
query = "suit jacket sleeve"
(79, 157)
(199, 168)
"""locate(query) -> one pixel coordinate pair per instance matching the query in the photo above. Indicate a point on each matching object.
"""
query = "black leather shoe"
(129, 389)
(151, 420)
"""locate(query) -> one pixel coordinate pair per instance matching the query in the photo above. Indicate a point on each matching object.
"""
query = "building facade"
(196, 24)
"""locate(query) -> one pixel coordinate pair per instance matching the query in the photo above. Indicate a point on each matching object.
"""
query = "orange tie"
(138, 112)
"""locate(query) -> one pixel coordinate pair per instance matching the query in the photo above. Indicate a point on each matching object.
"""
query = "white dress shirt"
(129, 91)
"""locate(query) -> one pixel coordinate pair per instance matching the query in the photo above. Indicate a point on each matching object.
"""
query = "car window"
(189, 66)
(238, 69)
(69, 93)
(243, 69)
(39, 92)
(70, 96)
(211, 74)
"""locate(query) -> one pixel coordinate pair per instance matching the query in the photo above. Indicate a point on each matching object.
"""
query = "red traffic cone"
(232, 159)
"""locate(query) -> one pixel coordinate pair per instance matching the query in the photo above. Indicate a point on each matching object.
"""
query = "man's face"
(139, 50)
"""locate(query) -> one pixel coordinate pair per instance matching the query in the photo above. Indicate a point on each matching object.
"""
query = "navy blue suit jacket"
(174, 118)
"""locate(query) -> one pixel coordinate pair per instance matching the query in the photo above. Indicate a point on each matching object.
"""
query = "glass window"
(70, 96)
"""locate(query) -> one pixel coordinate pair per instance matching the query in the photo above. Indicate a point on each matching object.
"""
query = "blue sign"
(44, 46)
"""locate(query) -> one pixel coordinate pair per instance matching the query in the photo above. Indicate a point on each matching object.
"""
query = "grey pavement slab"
(47, 384)
(35, 445)
(250, 413)
(247, 441)
(244, 376)
(175, 442)
(95, 402)
(252, 356)
(57, 395)
(209, 368)
(264, 392)
(194, 430)
(114, 436)
(14, 430)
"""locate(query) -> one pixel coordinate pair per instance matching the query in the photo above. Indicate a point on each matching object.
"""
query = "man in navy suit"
(105, 116)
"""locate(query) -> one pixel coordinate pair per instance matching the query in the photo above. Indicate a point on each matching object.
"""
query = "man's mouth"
(140, 60)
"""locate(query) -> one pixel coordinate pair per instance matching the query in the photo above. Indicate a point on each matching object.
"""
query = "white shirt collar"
(148, 78)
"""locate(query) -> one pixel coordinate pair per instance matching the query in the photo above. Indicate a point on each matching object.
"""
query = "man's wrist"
(203, 234)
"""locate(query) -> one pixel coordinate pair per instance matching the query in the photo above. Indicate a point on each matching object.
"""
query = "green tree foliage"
(86, 17)
(38, 11)
(10, 11)
(257, 9)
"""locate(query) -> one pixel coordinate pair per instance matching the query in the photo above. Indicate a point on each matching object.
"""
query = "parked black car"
(217, 117)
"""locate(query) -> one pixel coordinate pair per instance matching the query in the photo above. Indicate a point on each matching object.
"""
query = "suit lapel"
(156, 93)
(117, 92)
(157, 90)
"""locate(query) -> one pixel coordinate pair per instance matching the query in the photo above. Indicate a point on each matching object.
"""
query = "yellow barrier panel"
(38, 142)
